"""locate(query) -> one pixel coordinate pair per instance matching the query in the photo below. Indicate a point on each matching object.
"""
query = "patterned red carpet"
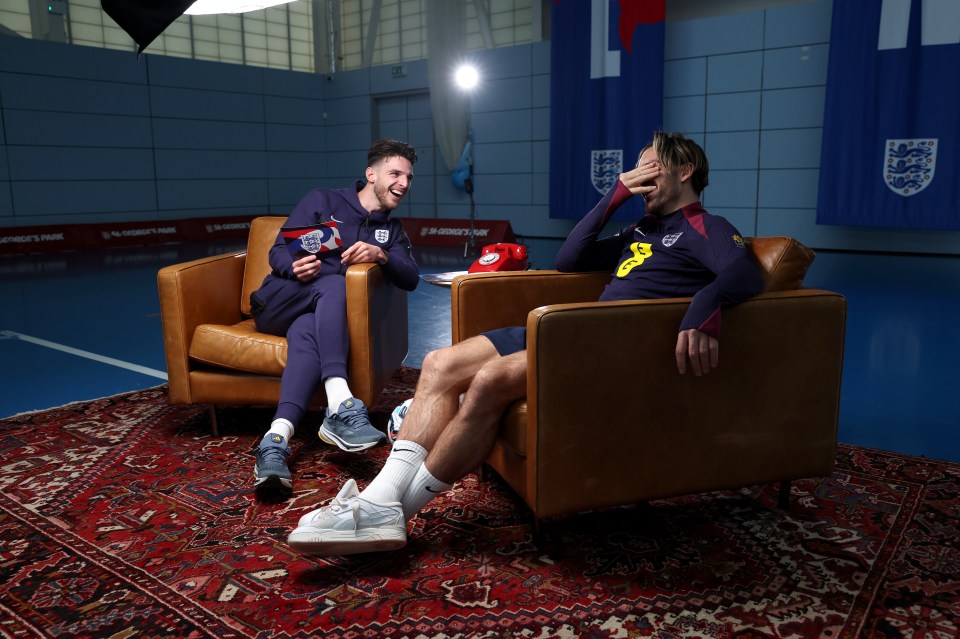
(124, 517)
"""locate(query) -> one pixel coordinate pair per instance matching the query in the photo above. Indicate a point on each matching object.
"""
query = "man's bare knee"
(500, 382)
(435, 363)
(455, 366)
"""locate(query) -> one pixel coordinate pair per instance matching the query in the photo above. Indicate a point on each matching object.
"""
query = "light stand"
(467, 77)
(471, 245)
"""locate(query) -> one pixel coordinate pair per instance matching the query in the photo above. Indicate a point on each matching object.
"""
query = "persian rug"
(126, 517)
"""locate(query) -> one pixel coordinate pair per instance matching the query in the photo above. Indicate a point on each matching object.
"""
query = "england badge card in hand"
(311, 240)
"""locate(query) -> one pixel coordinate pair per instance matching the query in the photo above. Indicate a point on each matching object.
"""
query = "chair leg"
(783, 498)
(212, 410)
(540, 540)
(547, 540)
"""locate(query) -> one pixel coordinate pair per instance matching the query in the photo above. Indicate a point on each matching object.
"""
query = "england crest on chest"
(381, 235)
(671, 239)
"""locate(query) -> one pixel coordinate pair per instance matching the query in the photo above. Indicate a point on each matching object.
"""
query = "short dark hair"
(674, 151)
(389, 148)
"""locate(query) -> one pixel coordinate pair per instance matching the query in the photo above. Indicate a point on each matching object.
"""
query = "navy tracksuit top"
(355, 224)
(686, 253)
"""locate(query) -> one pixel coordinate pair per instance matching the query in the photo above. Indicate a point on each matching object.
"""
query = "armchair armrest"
(484, 301)
(208, 291)
(378, 327)
(603, 381)
(204, 291)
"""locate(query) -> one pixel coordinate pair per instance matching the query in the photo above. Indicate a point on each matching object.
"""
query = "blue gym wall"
(94, 135)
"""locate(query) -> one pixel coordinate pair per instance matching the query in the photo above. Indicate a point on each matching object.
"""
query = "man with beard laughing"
(304, 299)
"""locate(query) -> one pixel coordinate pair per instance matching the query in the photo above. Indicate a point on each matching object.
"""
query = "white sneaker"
(350, 524)
(349, 491)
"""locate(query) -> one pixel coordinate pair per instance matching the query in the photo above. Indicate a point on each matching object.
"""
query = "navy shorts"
(508, 341)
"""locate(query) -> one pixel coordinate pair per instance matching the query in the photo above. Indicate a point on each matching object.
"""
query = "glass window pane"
(257, 57)
(231, 53)
(118, 39)
(88, 32)
(16, 17)
(303, 62)
(278, 59)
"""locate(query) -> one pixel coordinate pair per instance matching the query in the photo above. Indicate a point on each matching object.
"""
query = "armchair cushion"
(239, 347)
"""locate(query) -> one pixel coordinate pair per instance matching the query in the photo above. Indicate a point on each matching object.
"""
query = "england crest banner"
(891, 129)
(606, 96)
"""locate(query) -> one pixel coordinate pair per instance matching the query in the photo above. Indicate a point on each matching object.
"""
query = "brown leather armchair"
(215, 354)
(609, 421)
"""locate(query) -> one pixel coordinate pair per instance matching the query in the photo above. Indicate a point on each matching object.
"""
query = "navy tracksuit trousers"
(313, 316)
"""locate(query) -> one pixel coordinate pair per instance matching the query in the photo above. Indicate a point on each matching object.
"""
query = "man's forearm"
(738, 282)
(576, 252)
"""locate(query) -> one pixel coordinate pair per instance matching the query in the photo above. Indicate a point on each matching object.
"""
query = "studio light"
(466, 77)
(208, 7)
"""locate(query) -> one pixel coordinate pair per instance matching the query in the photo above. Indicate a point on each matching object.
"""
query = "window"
(401, 35)
(16, 17)
(282, 37)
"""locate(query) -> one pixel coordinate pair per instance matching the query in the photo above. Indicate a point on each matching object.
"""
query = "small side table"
(441, 279)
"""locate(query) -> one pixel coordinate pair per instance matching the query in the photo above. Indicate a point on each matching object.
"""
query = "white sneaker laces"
(339, 504)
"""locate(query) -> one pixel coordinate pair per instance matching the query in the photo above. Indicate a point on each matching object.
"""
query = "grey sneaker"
(272, 480)
(350, 428)
(348, 525)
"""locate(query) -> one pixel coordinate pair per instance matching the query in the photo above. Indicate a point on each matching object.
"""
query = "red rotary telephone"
(500, 257)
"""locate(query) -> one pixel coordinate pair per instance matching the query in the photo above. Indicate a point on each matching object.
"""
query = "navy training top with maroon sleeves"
(686, 253)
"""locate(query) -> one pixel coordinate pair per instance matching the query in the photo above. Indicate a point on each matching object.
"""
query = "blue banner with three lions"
(606, 96)
(891, 130)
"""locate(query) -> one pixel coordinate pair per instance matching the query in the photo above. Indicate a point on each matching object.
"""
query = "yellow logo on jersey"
(641, 251)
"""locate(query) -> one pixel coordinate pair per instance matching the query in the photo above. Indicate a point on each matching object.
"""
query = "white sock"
(421, 491)
(282, 427)
(401, 465)
(337, 392)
